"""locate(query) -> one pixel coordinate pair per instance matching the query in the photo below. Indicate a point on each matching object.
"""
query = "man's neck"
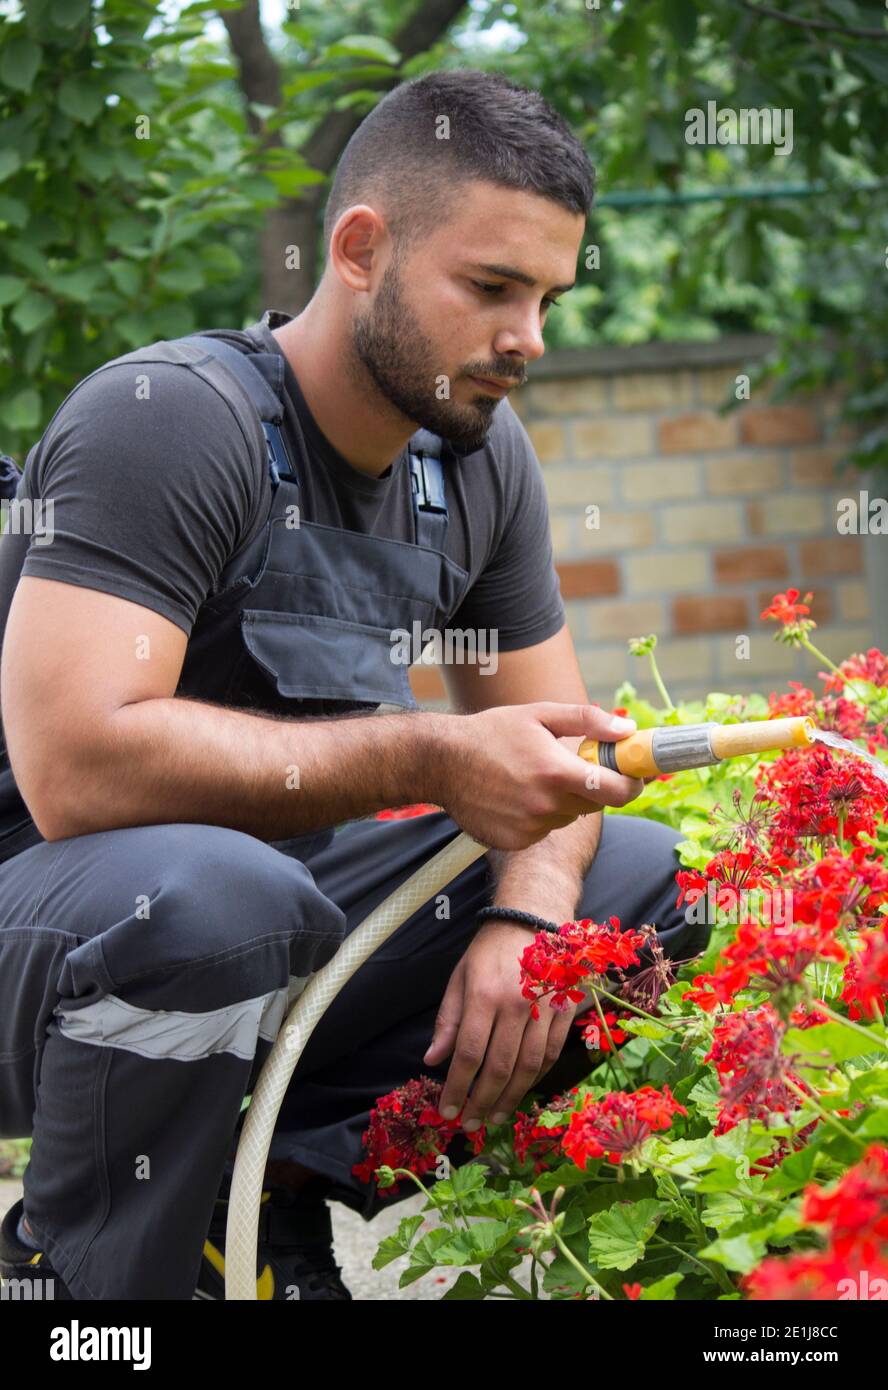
(366, 434)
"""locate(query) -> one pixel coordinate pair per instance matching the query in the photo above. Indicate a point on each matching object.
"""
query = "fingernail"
(471, 1124)
(500, 1118)
(450, 1112)
(621, 725)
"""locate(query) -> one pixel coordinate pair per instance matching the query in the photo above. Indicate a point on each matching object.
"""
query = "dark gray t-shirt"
(150, 501)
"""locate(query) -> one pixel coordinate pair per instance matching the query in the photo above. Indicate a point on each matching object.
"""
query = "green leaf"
(839, 1042)
(183, 279)
(11, 289)
(80, 99)
(19, 63)
(125, 232)
(67, 14)
(741, 1253)
(32, 310)
(80, 284)
(661, 1291)
(394, 1246)
(467, 1287)
(23, 411)
(126, 277)
(618, 1236)
(10, 162)
(13, 212)
(363, 46)
(478, 1243)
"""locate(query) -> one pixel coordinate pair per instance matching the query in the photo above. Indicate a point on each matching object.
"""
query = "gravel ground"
(355, 1242)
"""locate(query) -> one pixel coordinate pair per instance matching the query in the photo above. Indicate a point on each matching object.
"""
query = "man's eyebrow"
(508, 272)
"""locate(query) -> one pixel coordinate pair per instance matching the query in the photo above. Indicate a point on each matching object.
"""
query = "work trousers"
(145, 972)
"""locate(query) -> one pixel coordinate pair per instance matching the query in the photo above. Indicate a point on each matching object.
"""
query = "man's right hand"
(508, 781)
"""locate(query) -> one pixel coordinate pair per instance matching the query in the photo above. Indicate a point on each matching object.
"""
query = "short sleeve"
(150, 496)
(517, 592)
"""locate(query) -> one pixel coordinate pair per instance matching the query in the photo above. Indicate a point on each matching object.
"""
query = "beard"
(390, 344)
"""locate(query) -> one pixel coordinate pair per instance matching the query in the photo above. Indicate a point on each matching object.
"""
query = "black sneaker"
(295, 1250)
(25, 1274)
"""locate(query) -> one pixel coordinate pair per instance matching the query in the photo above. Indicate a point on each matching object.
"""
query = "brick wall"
(702, 517)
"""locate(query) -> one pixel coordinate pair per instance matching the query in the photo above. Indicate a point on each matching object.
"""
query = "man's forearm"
(168, 760)
(547, 878)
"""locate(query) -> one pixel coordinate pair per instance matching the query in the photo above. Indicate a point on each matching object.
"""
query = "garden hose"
(642, 754)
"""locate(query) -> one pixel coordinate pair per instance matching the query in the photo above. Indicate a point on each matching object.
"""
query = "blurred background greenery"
(155, 158)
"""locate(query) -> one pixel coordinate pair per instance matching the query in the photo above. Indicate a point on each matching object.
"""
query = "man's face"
(445, 317)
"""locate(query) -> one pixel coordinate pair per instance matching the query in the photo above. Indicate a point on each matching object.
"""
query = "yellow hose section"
(761, 735)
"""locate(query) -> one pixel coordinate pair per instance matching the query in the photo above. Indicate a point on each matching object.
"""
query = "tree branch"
(766, 12)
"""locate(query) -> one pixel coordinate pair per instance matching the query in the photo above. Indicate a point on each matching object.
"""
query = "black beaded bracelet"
(512, 914)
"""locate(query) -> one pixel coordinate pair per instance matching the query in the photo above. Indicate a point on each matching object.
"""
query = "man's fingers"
(562, 1023)
(447, 1019)
(514, 1057)
(565, 721)
(468, 1056)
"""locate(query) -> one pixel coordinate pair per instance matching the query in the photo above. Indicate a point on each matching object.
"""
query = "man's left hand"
(484, 1020)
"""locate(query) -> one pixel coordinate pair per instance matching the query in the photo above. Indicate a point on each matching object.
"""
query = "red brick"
(588, 578)
(831, 555)
(752, 562)
(779, 424)
(718, 613)
(694, 434)
(821, 604)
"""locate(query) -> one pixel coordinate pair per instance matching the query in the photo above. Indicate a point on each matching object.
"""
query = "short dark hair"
(498, 132)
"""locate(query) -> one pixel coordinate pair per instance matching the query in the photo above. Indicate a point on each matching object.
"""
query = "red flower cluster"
(556, 963)
(811, 791)
(845, 717)
(873, 667)
(866, 976)
(751, 1067)
(406, 1131)
(767, 957)
(540, 1142)
(785, 609)
(855, 1216)
(595, 1036)
(619, 1124)
(840, 889)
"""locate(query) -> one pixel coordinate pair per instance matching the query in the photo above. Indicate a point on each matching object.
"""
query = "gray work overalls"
(128, 1038)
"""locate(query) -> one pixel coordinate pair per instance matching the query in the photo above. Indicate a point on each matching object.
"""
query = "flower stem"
(658, 681)
(581, 1269)
(823, 1113)
(617, 1062)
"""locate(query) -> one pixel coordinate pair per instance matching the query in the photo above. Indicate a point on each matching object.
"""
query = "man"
(189, 680)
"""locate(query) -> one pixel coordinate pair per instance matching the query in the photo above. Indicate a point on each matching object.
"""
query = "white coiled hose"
(242, 1230)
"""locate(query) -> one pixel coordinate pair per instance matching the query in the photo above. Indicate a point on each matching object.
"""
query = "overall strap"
(424, 451)
(261, 375)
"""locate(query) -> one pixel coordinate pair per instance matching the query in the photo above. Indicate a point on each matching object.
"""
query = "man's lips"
(490, 384)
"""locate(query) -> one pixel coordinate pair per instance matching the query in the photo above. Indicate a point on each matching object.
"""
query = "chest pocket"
(335, 616)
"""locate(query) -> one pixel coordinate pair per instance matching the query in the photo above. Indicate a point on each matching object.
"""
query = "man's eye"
(494, 289)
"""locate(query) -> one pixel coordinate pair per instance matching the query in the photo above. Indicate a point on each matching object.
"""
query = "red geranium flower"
(619, 1124)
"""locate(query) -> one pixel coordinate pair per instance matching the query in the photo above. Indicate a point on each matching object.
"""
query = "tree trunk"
(295, 221)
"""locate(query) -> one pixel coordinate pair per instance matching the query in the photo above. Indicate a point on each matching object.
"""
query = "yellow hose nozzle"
(673, 747)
